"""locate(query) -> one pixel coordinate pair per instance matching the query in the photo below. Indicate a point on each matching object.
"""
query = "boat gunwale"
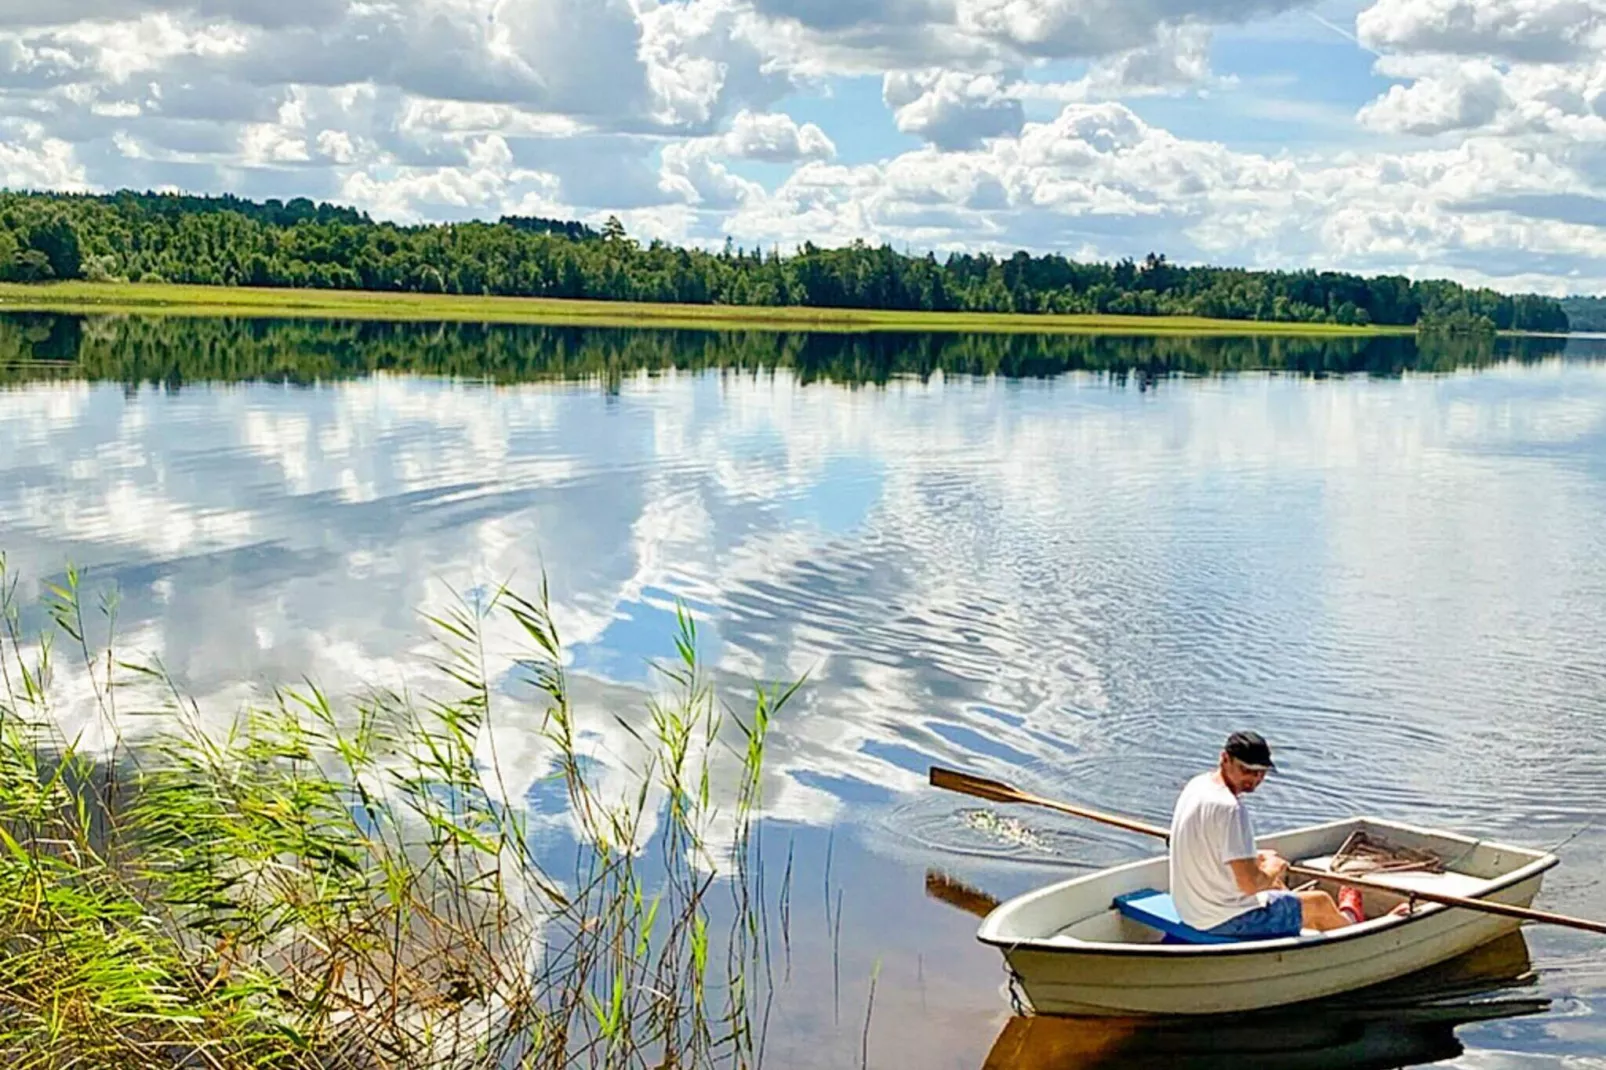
(1542, 862)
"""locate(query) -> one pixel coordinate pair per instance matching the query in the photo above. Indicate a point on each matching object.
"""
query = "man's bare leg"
(1319, 912)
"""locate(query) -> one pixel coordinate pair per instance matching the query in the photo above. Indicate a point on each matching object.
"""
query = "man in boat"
(1219, 882)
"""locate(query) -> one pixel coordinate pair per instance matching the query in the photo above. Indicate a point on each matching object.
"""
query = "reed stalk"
(334, 884)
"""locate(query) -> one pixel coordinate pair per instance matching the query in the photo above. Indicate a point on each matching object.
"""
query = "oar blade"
(942, 887)
(980, 787)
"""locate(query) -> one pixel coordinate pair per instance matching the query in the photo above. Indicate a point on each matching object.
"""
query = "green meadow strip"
(192, 300)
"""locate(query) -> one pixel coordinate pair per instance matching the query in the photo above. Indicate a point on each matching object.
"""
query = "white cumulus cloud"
(952, 109)
(1532, 71)
(696, 172)
(1544, 31)
(776, 138)
(1463, 95)
(31, 160)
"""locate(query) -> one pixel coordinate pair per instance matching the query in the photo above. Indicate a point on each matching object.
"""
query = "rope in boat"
(1363, 854)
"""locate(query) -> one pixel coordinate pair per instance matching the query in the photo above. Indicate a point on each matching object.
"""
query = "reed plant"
(330, 884)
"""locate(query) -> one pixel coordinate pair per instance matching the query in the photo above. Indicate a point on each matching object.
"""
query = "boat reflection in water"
(1409, 1022)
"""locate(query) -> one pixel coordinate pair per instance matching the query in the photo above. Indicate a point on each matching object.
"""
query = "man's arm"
(1259, 873)
(1252, 870)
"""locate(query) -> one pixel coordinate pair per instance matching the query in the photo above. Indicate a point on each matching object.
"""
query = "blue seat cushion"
(1156, 910)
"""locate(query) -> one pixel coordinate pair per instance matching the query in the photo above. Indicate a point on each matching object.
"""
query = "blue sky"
(1459, 138)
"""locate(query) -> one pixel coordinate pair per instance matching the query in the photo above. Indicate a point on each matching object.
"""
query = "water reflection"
(1055, 575)
(1407, 1023)
(172, 352)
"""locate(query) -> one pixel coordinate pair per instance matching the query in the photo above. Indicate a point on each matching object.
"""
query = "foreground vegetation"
(174, 351)
(230, 242)
(319, 885)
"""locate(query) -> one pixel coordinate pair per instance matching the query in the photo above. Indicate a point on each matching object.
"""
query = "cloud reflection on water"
(1114, 571)
(1070, 581)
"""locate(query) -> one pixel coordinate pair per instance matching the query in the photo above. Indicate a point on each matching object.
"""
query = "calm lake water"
(1075, 564)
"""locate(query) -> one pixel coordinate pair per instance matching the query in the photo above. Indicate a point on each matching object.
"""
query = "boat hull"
(1411, 1022)
(1063, 975)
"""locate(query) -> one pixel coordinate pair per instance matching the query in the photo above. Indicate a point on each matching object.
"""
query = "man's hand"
(1273, 865)
(1265, 870)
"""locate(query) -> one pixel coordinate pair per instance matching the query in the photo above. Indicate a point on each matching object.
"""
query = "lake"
(1073, 563)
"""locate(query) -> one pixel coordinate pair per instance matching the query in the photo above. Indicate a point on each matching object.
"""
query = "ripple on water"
(936, 830)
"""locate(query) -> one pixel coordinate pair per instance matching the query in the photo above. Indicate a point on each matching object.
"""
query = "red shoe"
(1349, 902)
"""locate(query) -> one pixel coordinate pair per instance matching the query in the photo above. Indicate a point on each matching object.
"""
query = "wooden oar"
(942, 887)
(998, 791)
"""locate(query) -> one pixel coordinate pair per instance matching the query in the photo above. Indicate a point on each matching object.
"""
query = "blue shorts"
(1281, 916)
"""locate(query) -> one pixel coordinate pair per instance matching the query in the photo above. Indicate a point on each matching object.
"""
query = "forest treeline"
(1585, 313)
(173, 352)
(231, 241)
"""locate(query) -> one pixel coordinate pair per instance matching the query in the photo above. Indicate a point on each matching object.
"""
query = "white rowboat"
(1071, 951)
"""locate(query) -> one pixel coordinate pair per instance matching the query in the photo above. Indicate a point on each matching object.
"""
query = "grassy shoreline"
(190, 300)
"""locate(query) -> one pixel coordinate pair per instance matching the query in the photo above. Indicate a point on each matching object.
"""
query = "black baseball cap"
(1250, 749)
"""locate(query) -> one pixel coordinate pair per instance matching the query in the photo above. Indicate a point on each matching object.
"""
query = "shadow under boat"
(1408, 1022)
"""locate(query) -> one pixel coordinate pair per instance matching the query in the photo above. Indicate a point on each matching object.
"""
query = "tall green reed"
(322, 883)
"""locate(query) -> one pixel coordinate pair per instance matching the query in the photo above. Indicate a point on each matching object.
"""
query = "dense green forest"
(1585, 313)
(172, 352)
(230, 241)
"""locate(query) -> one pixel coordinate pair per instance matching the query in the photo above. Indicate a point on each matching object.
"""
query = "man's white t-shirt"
(1209, 828)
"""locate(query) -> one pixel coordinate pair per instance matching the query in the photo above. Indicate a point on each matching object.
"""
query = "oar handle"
(1128, 823)
(1488, 906)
